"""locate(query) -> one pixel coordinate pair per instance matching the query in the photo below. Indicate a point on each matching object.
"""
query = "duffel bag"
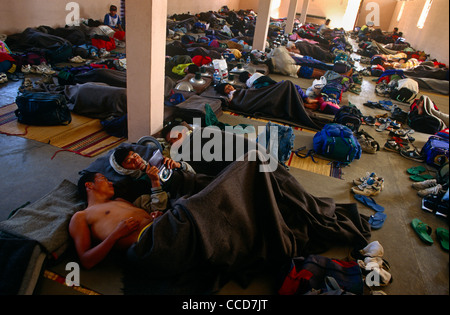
(42, 109)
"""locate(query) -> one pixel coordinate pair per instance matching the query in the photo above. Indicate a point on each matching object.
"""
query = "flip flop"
(377, 220)
(423, 230)
(369, 202)
(442, 236)
(416, 170)
(421, 177)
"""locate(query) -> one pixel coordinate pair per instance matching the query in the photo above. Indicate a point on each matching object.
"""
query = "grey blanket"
(96, 100)
(245, 221)
(47, 219)
(279, 102)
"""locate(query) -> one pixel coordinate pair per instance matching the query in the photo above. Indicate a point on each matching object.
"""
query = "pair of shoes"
(45, 79)
(77, 59)
(428, 187)
(395, 145)
(412, 155)
(368, 144)
(435, 204)
(26, 68)
(371, 177)
(374, 267)
(424, 232)
(3, 77)
(43, 68)
(403, 134)
(368, 188)
(369, 120)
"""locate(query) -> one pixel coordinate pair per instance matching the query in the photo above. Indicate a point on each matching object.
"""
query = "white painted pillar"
(145, 42)
(304, 11)
(262, 25)
(291, 16)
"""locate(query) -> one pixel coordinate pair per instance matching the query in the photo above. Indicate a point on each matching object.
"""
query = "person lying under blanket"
(233, 223)
(256, 80)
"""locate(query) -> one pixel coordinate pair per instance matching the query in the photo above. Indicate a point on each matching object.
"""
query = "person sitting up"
(112, 19)
(324, 26)
(107, 223)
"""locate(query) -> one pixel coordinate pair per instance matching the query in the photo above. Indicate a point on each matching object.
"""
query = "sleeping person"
(256, 80)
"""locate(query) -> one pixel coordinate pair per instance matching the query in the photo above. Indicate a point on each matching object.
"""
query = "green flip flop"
(442, 236)
(423, 230)
(421, 177)
(416, 170)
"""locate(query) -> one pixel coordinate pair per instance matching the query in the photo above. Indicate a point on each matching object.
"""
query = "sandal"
(369, 202)
(412, 155)
(377, 220)
(423, 230)
(354, 88)
(421, 177)
(442, 236)
(416, 170)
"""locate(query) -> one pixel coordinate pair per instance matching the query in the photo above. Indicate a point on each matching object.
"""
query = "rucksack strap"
(310, 153)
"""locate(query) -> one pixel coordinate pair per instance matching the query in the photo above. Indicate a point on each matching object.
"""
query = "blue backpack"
(337, 142)
(285, 142)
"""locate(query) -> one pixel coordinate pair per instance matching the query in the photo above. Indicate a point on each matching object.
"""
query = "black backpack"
(423, 123)
(349, 116)
(42, 109)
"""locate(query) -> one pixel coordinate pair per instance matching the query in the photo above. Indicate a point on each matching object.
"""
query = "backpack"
(405, 91)
(283, 144)
(333, 90)
(435, 151)
(42, 109)
(337, 142)
(426, 122)
(349, 116)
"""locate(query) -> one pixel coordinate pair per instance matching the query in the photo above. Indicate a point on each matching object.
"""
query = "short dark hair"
(112, 8)
(168, 127)
(121, 153)
(86, 177)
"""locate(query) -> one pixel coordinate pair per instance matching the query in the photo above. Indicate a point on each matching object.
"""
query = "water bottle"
(216, 76)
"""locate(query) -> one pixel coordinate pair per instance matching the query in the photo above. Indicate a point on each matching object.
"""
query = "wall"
(433, 38)
(185, 6)
(17, 15)
(378, 11)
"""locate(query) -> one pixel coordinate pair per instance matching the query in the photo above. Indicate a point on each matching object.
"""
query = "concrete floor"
(28, 173)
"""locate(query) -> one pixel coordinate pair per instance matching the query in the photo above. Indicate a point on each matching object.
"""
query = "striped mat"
(84, 135)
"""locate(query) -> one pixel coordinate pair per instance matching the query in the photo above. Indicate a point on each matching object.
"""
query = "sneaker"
(413, 155)
(26, 68)
(77, 59)
(430, 191)
(425, 184)
(366, 189)
(370, 179)
(3, 77)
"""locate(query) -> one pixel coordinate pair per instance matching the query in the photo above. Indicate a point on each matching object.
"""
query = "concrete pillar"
(145, 42)
(304, 11)
(291, 16)
(262, 25)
